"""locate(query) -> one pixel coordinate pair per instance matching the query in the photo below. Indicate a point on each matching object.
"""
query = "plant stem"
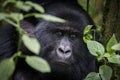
(20, 36)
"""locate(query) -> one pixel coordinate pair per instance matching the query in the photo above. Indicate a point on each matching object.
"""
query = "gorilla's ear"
(28, 27)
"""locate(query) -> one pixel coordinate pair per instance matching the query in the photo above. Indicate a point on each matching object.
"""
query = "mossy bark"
(111, 25)
(111, 20)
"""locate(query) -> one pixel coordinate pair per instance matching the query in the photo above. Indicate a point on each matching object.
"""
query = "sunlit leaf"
(2, 16)
(116, 46)
(8, 1)
(38, 7)
(114, 59)
(16, 16)
(50, 18)
(110, 43)
(31, 43)
(87, 29)
(95, 47)
(93, 76)
(38, 63)
(87, 37)
(21, 5)
(105, 72)
(7, 68)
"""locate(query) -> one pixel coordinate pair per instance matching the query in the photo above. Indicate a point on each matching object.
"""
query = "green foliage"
(87, 36)
(22, 6)
(110, 43)
(87, 29)
(36, 6)
(91, 6)
(25, 6)
(46, 17)
(93, 76)
(50, 18)
(95, 48)
(114, 59)
(38, 63)
(7, 68)
(107, 55)
(105, 72)
(116, 47)
(31, 43)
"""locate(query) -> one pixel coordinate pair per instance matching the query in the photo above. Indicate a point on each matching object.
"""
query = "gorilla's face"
(61, 44)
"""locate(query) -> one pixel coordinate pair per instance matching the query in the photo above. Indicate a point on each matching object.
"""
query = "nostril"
(68, 51)
(64, 51)
(61, 50)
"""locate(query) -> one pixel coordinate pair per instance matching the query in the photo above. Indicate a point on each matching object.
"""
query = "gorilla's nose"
(64, 51)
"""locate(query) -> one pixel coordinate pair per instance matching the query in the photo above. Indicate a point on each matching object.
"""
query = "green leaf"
(2, 16)
(31, 43)
(87, 29)
(95, 47)
(22, 6)
(38, 63)
(87, 37)
(50, 18)
(105, 72)
(107, 55)
(38, 7)
(7, 68)
(93, 76)
(116, 46)
(114, 59)
(46, 17)
(8, 1)
(16, 16)
(10, 22)
(110, 43)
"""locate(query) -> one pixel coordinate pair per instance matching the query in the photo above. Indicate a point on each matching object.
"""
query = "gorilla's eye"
(59, 33)
(73, 36)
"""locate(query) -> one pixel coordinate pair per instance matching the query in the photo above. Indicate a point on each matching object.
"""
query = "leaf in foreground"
(114, 59)
(87, 29)
(93, 76)
(21, 5)
(7, 68)
(38, 7)
(2, 16)
(95, 47)
(38, 63)
(50, 18)
(105, 72)
(116, 47)
(31, 43)
(110, 43)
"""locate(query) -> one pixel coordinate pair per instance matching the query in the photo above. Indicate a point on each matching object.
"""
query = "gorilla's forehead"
(65, 27)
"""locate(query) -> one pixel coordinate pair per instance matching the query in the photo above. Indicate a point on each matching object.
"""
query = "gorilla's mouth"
(62, 64)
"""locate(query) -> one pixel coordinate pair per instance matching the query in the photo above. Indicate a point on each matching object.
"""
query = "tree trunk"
(111, 20)
(111, 25)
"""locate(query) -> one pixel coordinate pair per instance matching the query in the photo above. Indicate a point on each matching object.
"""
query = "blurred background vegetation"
(95, 9)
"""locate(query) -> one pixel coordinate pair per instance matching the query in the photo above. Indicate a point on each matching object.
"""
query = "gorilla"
(62, 44)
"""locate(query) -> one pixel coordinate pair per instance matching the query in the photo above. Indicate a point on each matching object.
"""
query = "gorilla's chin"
(60, 67)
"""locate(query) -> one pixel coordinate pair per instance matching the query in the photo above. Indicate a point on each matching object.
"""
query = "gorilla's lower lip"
(62, 63)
